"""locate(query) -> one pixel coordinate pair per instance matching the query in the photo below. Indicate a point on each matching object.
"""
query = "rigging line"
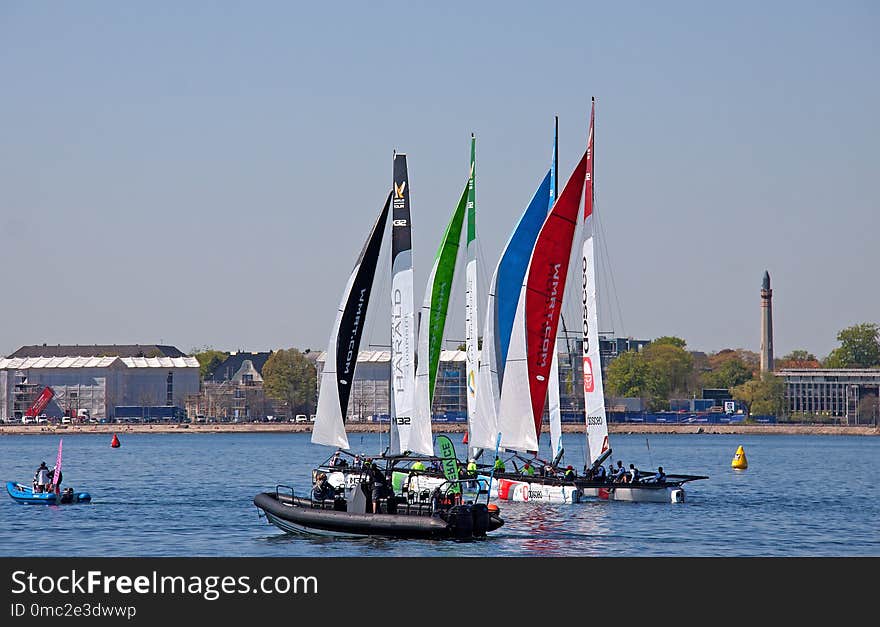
(604, 248)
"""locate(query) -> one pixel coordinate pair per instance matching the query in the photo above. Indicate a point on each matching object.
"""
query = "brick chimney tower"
(766, 325)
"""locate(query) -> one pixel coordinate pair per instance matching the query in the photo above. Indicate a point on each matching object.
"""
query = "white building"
(98, 384)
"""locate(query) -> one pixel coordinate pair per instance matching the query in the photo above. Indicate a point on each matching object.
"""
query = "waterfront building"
(98, 381)
(232, 390)
(847, 394)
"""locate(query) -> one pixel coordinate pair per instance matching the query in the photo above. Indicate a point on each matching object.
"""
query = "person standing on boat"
(41, 478)
(418, 465)
(571, 475)
(498, 466)
(380, 486)
(528, 470)
(472, 467)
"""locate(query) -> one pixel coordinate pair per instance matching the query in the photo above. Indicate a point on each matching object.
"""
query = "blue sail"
(512, 268)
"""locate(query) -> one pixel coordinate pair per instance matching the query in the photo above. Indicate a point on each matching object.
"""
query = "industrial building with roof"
(106, 381)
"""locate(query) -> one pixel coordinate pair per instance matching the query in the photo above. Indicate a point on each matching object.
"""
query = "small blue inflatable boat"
(26, 495)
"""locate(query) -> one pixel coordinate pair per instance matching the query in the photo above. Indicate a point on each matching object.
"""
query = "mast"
(340, 360)
(555, 411)
(594, 394)
(402, 398)
(470, 322)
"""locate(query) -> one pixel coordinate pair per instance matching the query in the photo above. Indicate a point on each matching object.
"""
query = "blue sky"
(206, 173)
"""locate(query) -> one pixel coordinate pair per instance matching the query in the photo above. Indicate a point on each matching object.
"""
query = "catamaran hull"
(533, 492)
(640, 494)
(296, 515)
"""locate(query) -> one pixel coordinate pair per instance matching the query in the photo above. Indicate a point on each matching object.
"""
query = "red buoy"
(115, 442)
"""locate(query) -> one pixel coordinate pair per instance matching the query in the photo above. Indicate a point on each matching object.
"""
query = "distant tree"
(631, 375)
(799, 355)
(859, 347)
(672, 366)
(208, 359)
(797, 359)
(289, 376)
(750, 359)
(730, 373)
(670, 339)
(763, 396)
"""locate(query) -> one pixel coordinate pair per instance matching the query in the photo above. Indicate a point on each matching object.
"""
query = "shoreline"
(619, 428)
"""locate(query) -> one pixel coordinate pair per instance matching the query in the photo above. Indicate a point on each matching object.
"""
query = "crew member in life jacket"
(660, 476)
(570, 474)
(498, 466)
(633, 474)
(527, 470)
(472, 467)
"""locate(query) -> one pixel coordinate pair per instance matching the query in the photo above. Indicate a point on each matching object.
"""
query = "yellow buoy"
(739, 459)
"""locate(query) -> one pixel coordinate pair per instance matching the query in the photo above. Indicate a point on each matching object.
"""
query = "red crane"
(40, 404)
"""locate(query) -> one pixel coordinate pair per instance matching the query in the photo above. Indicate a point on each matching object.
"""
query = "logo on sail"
(398, 190)
(589, 383)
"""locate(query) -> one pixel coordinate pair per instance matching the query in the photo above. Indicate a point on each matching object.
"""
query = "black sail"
(351, 326)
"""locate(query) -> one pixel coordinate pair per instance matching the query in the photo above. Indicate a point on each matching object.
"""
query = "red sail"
(546, 283)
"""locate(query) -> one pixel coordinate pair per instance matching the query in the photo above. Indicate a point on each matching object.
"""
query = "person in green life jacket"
(528, 470)
(418, 466)
(472, 467)
(498, 466)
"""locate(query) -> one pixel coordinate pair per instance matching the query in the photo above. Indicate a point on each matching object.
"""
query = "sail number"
(595, 420)
(403, 420)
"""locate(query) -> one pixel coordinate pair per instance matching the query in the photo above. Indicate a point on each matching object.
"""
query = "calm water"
(191, 495)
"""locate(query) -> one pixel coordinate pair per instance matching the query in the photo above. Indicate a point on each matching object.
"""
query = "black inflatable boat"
(444, 515)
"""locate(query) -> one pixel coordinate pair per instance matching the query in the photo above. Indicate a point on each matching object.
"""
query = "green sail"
(441, 282)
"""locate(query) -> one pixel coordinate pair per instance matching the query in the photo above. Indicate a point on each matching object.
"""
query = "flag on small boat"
(56, 472)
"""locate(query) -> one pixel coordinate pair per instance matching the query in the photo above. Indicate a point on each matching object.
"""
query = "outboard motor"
(480, 514)
(677, 495)
(460, 521)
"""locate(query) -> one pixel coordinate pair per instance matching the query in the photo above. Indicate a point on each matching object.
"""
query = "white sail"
(483, 425)
(329, 427)
(515, 408)
(471, 330)
(403, 339)
(554, 406)
(594, 394)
